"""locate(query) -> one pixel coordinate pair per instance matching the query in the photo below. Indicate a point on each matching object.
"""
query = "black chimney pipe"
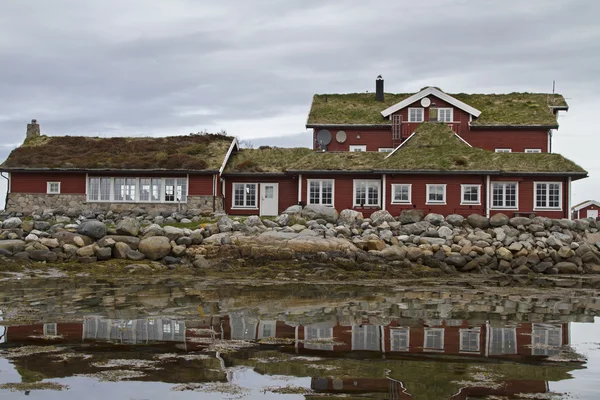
(379, 88)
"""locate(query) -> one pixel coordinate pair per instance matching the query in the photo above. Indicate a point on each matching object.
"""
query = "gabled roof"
(585, 204)
(431, 91)
(194, 152)
(497, 110)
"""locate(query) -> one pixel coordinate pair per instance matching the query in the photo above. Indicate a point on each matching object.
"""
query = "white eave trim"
(585, 204)
(234, 144)
(435, 92)
(400, 145)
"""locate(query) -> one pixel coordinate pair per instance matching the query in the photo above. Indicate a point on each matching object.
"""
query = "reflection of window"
(546, 339)
(315, 334)
(50, 330)
(266, 329)
(167, 328)
(399, 339)
(320, 192)
(241, 329)
(365, 337)
(434, 339)
(469, 339)
(503, 341)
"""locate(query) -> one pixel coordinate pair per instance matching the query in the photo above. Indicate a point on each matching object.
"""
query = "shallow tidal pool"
(175, 338)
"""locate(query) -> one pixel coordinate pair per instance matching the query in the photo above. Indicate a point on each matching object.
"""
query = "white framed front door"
(269, 199)
(592, 214)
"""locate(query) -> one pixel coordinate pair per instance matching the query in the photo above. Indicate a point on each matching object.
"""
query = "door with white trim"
(592, 214)
(269, 199)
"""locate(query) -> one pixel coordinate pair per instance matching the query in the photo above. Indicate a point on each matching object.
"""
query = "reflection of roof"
(585, 204)
(513, 109)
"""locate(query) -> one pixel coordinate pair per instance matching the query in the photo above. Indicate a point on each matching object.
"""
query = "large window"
(366, 193)
(365, 337)
(244, 195)
(436, 194)
(399, 339)
(546, 339)
(504, 194)
(503, 341)
(401, 193)
(470, 194)
(320, 192)
(415, 115)
(469, 340)
(137, 189)
(445, 115)
(434, 339)
(548, 195)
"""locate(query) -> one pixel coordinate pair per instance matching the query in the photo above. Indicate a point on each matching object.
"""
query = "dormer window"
(445, 114)
(415, 115)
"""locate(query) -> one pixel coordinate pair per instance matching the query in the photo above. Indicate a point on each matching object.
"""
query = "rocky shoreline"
(314, 235)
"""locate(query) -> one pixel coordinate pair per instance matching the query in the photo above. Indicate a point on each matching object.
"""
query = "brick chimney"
(379, 88)
(33, 130)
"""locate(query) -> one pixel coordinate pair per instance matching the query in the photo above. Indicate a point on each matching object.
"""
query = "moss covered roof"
(193, 152)
(512, 109)
(433, 147)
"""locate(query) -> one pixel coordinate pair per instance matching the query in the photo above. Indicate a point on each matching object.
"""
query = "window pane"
(373, 194)
(471, 194)
(170, 189)
(119, 189)
(238, 199)
(361, 193)
(313, 197)
(129, 190)
(327, 193)
(156, 185)
(144, 189)
(181, 190)
(554, 195)
(401, 193)
(250, 195)
(511, 195)
(93, 188)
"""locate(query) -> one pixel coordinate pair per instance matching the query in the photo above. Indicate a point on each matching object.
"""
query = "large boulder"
(225, 224)
(566, 267)
(253, 220)
(128, 226)
(434, 219)
(455, 219)
(478, 221)
(155, 247)
(12, 223)
(316, 211)
(411, 216)
(94, 229)
(381, 216)
(130, 241)
(417, 228)
(173, 233)
(499, 220)
(349, 217)
(43, 255)
(456, 260)
(66, 237)
(293, 210)
(120, 250)
(520, 221)
(12, 246)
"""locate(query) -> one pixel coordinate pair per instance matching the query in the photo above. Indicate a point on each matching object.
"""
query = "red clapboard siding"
(36, 182)
(201, 185)
(517, 140)
(288, 192)
(583, 212)
(373, 138)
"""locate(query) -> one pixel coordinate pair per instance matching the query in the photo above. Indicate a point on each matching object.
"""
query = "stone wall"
(74, 204)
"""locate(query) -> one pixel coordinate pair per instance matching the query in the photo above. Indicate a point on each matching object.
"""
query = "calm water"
(183, 340)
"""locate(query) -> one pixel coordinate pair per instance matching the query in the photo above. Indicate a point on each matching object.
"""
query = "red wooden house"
(586, 209)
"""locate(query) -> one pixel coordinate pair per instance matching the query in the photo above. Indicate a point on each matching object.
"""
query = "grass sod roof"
(434, 147)
(512, 109)
(193, 152)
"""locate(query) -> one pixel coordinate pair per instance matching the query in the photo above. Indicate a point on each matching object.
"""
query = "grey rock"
(522, 270)
(135, 255)
(50, 242)
(413, 253)
(103, 253)
(350, 217)
(434, 219)
(433, 240)
(541, 267)
(225, 224)
(87, 251)
(270, 224)
(41, 225)
(106, 242)
(564, 224)
(411, 216)
(155, 247)
(498, 220)
(184, 241)
(520, 221)
(65, 237)
(515, 246)
(197, 236)
(128, 226)
(120, 250)
(566, 267)
(201, 262)
(417, 228)
(12, 223)
(173, 233)
(43, 255)
(534, 228)
(445, 232)
(31, 238)
(455, 219)
(94, 229)
(253, 220)
(293, 210)
(314, 211)
(456, 260)
(283, 219)
(178, 250)
(478, 221)
(131, 241)
(172, 260)
(381, 216)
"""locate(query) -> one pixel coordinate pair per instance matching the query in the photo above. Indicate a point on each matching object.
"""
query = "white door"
(592, 214)
(269, 199)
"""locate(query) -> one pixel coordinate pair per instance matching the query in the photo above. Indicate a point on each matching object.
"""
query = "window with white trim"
(436, 194)
(469, 340)
(320, 192)
(366, 337)
(137, 189)
(533, 150)
(385, 149)
(124, 189)
(504, 194)
(415, 115)
(50, 330)
(503, 341)
(244, 195)
(366, 193)
(401, 193)
(546, 339)
(434, 339)
(315, 338)
(445, 114)
(399, 339)
(53, 187)
(175, 190)
(548, 195)
(470, 194)
(503, 150)
(358, 147)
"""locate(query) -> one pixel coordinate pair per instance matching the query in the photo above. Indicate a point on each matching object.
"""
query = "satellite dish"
(340, 136)
(425, 102)
(324, 137)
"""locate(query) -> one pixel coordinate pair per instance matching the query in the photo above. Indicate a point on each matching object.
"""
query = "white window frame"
(491, 196)
(560, 196)
(433, 202)
(476, 331)
(399, 331)
(385, 149)
(313, 335)
(542, 330)
(137, 180)
(416, 108)
(49, 186)
(363, 335)
(428, 330)
(503, 150)
(396, 186)
(244, 207)
(321, 181)
(50, 329)
(358, 147)
(445, 110)
(366, 182)
(502, 332)
(462, 194)
(533, 150)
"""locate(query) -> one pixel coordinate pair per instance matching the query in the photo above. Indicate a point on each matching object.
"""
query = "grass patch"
(25, 387)
(496, 109)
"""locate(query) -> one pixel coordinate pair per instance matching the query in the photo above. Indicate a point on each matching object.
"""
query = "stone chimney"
(379, 88)
(33, 130)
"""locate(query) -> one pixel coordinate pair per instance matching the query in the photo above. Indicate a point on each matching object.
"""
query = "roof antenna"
(553, 87)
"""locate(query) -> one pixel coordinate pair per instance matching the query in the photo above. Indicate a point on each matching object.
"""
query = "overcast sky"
(152, 68)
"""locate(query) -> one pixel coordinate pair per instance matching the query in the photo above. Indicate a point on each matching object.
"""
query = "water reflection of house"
(134, 331)
(61, 331)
